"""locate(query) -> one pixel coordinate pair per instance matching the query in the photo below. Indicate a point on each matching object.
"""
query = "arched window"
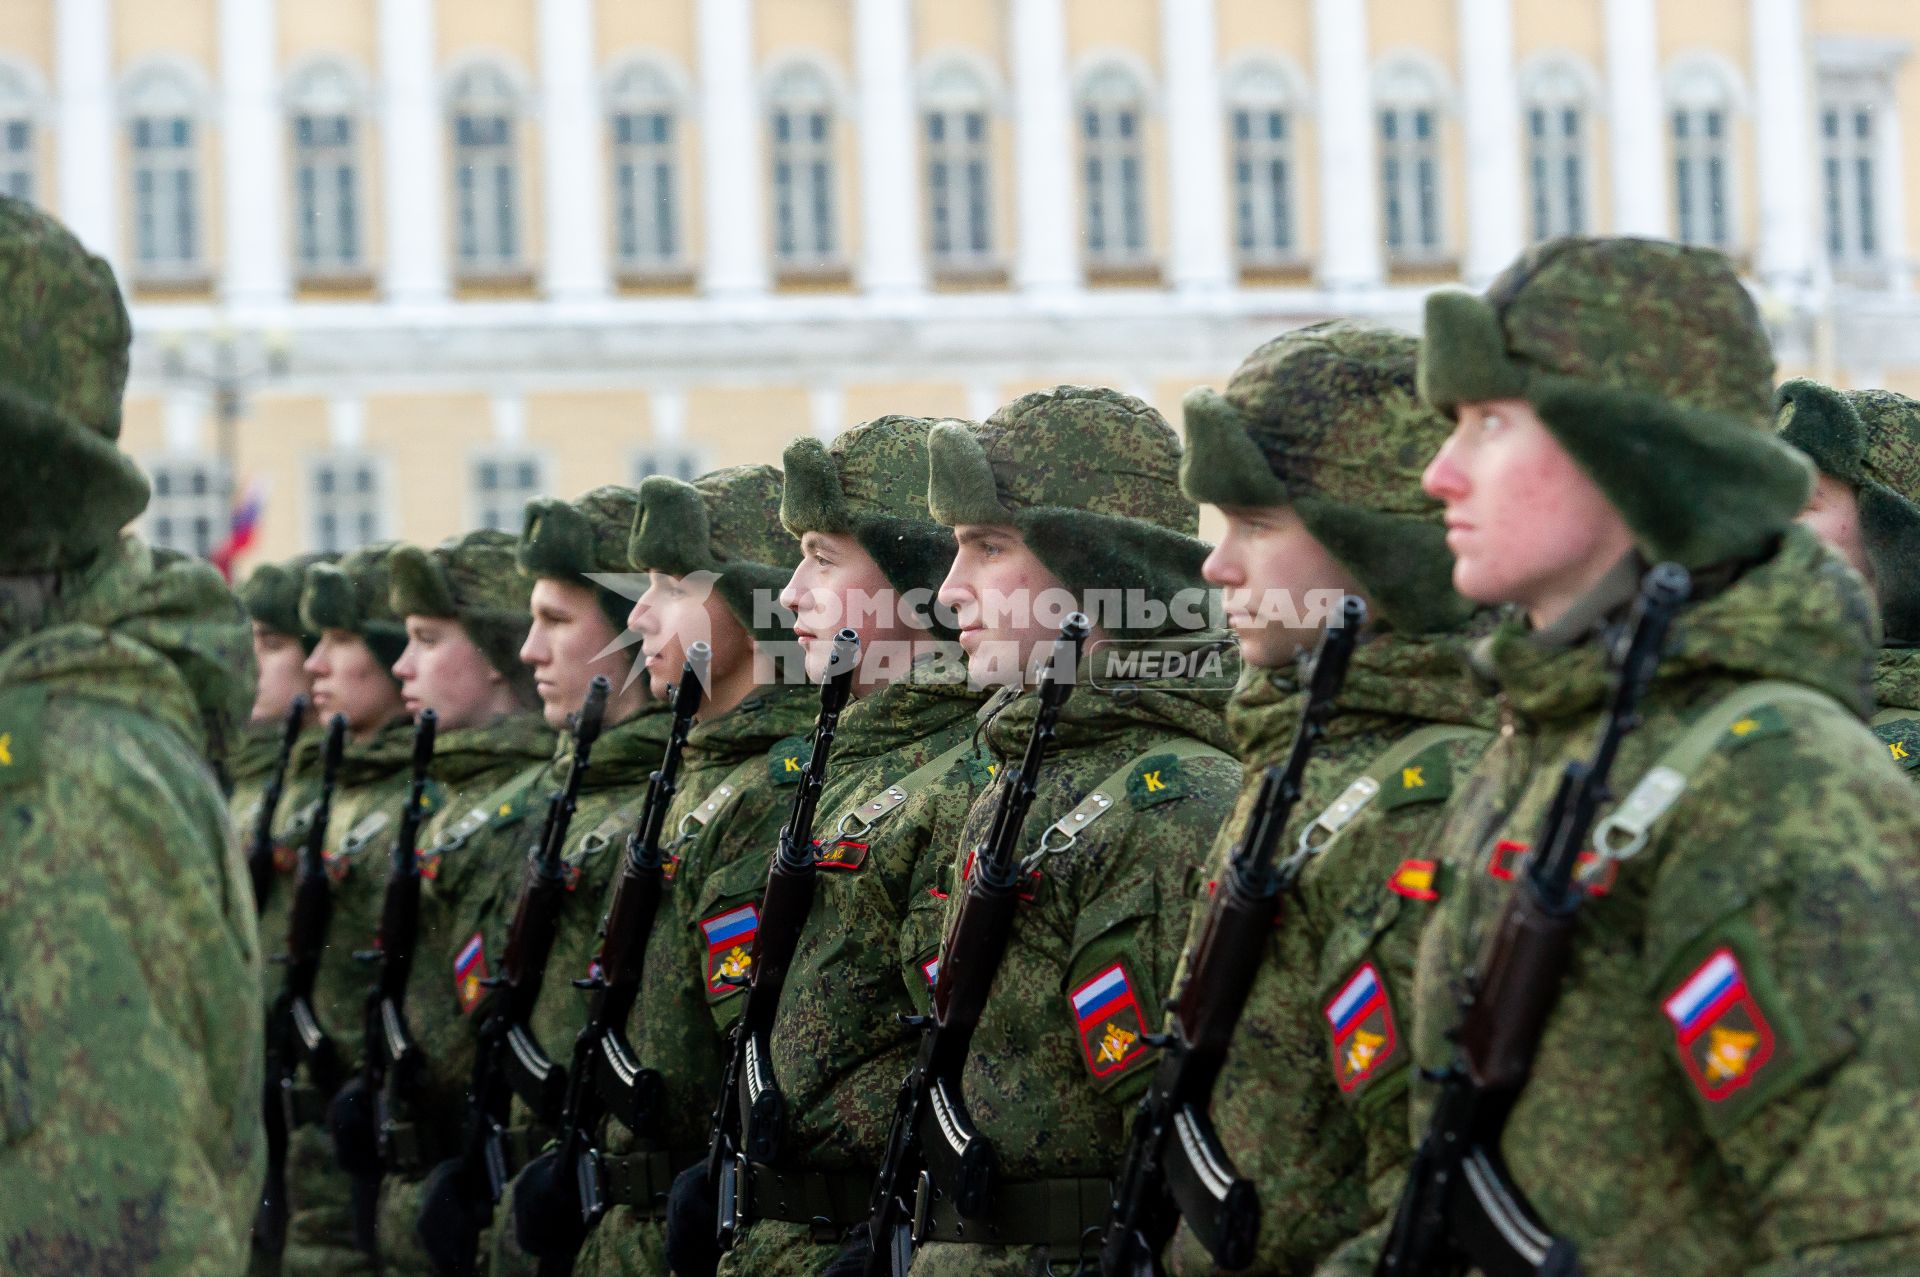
(1260, 122)
(956, 110)
(163, 105)
(20, 105)
(1113, 114)
(1408, 99)
(800, 124)
(484, 110)
(1556, 99)
(643, 112)
(1700, 105)
(325, 111)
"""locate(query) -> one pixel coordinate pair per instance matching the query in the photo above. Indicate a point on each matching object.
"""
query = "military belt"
(830, 1201)
(641, 1180)
(1064, 1215)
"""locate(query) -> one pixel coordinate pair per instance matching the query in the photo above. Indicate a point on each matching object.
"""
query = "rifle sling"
(1061, 1214)
(1330, 823)
(1102, 798)
(857, 820)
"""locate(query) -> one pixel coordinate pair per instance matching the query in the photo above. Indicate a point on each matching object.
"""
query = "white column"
(87, 192)
(414, 173)
(253, 171)
(572, 136)
(733, 158)
(1047, 257)
(1490, 93)
(1637, 143)
(1783, 121)
(1196, 147)
(1351, 253)
(892, 232)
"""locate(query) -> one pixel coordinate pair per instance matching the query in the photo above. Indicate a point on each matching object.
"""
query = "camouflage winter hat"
(726, 523)
(1870, 441)
(1090, 477)
(353, 595)
(871, 483)
(1650, 365)
(1328, 420)
(272, 592)
(566, 540)
(63, 368)
(472, 579)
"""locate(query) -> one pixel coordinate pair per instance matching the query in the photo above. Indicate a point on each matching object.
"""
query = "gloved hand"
(546, 1208)
(853, 1257)
(352, 1120)
(693, 1209)
(451, 1221)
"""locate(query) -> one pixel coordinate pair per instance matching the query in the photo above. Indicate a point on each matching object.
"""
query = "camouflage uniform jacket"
(253, 768)
(1051, 1088)
(1310, 1132)
(679, 1024)
(1896, 689)
(130, 1043)
(1727, 1084)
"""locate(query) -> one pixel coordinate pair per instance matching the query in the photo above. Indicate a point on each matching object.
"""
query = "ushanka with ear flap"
(871, 483)
(352, 595)
(1090, 477)
(726, 523)
(1327, 420)
(1650, 365)
(271, 595)
(472, 579)
(1870, 441)
(566, 540)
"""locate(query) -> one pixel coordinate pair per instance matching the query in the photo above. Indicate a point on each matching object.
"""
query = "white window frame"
(502, 506)
(484, 111)
(958, 112)
(648, 213)
(23, 105)
(366, 511)
(1112, 107)
(1556, 125)
(675, 460)
(329, 193)
(1262, 127)
(1703, 104)
(802, 121)
(189, 489)
(1413, 175)
(164, 108)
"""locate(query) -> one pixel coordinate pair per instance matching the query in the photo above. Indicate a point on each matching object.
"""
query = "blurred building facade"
(402, 264)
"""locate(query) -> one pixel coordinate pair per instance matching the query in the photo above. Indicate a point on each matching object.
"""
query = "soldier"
(131, 1036)
(716, 558)
(905, 768)
(361, 637)
(1071, 497)
(1726, 1083)
(465, 608)
(1866, 504)
(1314, 455)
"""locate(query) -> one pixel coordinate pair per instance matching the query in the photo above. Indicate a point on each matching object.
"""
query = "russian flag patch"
(1723, 1037)
(1108, 1015)
(931, 969)
(469, 973)
(730, 937)
(1366, 1043)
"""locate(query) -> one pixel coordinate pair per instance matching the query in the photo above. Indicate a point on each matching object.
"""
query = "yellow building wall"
(1128, 27)
(142, 426)
(504, 29)
(735, 426)
(279, 436)
(335, 29)
(665, 26)
(917, 399)
(1722, 27)
(426, 440)
(185, 29)
(661, 30)
(1429, 28)
(589, 437)
(26, 35)
(337, 26)
(1543, 28)
(1283, 27)
(1894, 20)
(980, 31)
(820, 30)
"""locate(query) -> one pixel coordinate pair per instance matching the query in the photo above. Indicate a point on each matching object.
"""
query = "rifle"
(1175, 1163)
(560, 1196)
(260, 867)
(508, 1061)
(358, 1114)
(932, 1141)
(295, 1038)
(749, 1117)
(1460, 1211)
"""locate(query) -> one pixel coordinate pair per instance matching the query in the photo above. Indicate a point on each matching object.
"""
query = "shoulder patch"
(1156, 779)
(1761, 723)
(508, 812)
(1112, 1033)
(1427, 777)
(981, 767)
(20, 735)
(787, 760)
(1723, 1037)
(1416, 879)
(1366, 1043)
(842, 854)
(470, 973)
(730, 937)
(1902, 739)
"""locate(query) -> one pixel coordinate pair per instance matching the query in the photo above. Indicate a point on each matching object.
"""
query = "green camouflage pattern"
(1896, 679)
(354, 594)
(1891, 457)
(565, 540)
(472, 578)
(1791, 850)
(271, 595)
(1326, 1162)
(877, 470)
(839, 1049)
(1118, 892)
(677, 1029)
(726, 522)
(130, 1033)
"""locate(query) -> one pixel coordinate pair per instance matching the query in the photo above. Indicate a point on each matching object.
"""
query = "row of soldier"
(1722, 1074)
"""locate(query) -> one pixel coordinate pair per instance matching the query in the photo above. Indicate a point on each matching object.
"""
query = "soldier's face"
(349, 679)
(569, 630)
(1274, 579)
(1833, 514)
(1525, 524)
(838, 585)
(1006, 602)
(442, 670)
(283, 674)
(673, 615)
